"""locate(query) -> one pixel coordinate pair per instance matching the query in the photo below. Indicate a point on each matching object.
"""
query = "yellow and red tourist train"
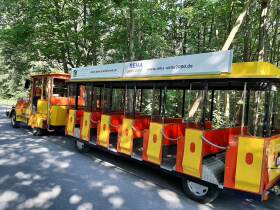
(214, 124)
(46, 106)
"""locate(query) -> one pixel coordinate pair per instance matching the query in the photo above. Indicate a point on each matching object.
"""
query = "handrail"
(135, 129)
(172, 123)
(212, 144)
(115, 126)
(168, 138)
(95, 122)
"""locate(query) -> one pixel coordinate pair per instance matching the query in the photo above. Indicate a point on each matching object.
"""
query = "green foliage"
(40, 35)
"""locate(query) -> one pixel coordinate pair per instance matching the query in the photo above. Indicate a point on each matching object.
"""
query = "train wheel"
(14, 122)
(200, 192)
(82, 147)
(38, 131)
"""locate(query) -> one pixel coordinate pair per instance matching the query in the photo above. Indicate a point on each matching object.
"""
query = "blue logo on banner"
(135, 65)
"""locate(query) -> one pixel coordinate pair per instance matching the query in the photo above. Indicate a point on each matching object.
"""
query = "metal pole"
(134, 102)
(243, 108)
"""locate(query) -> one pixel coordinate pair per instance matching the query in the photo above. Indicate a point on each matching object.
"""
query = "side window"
(88, 97)
(96, 97)
(193, 105)
(147, 100)
(37, 88)
(117, 100)
(106, 99)
(45, 88)
(256, 113)
(275, 110)
(173, 103)
(59, 88)
(227, 108)
(72, 91)
(129, 101)
(72, 88)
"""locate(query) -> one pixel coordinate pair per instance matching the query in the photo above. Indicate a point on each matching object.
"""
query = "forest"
(57, 35)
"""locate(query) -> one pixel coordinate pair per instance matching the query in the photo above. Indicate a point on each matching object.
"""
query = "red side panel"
(66, 122)
(220, 137)
(71, 101)
(179, 156)
(140, 124)
(95, 118)
(116, 121)
(145, 144)
(60, 101)
(79, 115)
(173, 131)
(230, 163)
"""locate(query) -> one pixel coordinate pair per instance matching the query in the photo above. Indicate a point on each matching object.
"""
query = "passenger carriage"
(212, 123)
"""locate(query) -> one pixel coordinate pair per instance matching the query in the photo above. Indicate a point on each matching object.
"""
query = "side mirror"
(27, 84)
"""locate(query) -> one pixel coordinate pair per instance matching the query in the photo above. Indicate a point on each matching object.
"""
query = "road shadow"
(48, 173)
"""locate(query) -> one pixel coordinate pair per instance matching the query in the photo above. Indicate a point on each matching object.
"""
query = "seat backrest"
(79, 115)
(220, 137)
(173, 131)
(96, 116)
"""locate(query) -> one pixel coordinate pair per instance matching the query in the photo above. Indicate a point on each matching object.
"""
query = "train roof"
(55, 75)
(244, 70)
(213, 65)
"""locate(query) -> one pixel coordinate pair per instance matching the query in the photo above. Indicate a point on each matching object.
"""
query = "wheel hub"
(197, 189)
(80, 145)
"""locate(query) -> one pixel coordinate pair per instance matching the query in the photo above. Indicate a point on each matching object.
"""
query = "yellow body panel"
(192, 158)
(71, 122)
(58, 115)
(104, 130)
(249, 164)
(273, 152)
(21, 119)
(155, 143)
(42, 107)
(37, 120)
(23, 114)
(126, 138)
(86, 124)
(27, 111)
(239, 70)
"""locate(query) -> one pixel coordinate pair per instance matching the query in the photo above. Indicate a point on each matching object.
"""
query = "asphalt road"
(48, 173)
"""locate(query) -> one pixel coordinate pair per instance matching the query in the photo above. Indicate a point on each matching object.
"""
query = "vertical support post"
(134, 102)
(244, 108)
(212, 105)
(102, 101)
(267, 110)
(125, 100)
(153, 102)
(183, 104)
(204, 106)
(77, 96)
(164, 102)
(111, 99)
(160, 101)
(141, 98)
(91, 97)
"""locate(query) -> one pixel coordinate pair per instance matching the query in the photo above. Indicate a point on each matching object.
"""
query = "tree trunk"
(246, 40)
(263, 30)
(236, 26)
(274, 38)
(131, 51)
